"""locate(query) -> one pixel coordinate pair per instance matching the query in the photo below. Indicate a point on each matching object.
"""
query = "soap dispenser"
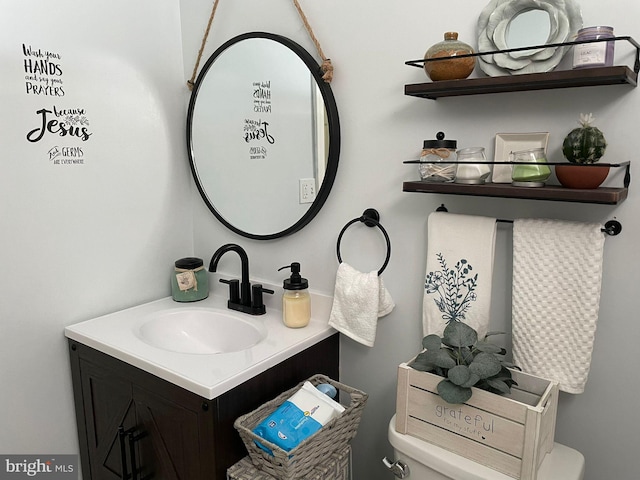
(296, 301)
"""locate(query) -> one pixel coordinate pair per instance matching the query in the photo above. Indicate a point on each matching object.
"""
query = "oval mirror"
(263, 135)
(530, 27)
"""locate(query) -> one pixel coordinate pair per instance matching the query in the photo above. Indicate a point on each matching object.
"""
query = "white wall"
(80, 240)
(368, 43)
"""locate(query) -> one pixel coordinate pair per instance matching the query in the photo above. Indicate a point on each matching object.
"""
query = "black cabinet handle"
(132, 454)
(131, 437)
(136, 470)
(123, 452)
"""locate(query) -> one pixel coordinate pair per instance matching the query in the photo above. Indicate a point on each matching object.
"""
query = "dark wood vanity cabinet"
(134, 425)
(130, 427)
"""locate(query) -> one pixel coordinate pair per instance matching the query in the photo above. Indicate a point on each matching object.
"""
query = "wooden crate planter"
(509, 433)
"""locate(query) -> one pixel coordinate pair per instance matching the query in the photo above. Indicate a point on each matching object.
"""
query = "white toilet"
(426, 461)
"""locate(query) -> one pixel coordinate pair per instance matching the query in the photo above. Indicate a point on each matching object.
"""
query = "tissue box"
(509, 433)
(335, 468)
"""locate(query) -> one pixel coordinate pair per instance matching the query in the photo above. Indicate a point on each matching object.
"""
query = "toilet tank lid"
(563, 463)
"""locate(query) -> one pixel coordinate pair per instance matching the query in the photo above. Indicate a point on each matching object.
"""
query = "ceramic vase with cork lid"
(453, 68)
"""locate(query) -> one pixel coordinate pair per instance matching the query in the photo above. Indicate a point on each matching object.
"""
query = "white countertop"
(208, 375)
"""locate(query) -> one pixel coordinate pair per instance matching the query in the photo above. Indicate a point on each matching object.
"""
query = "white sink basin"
(203, 346)
(203, 331)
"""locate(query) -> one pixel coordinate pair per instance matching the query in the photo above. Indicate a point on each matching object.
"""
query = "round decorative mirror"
(263, 136)
(507, 24)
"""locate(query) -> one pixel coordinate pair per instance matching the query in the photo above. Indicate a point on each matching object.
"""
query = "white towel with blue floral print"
(460, 254)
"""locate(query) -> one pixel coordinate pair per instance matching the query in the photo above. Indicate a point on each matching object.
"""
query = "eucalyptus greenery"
(464, 361)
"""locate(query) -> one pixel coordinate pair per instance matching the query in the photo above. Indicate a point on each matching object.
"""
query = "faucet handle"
(256, 296)
(234, 289)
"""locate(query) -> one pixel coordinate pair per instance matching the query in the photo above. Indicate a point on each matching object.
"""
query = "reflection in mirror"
(263, 136)
(530, 27)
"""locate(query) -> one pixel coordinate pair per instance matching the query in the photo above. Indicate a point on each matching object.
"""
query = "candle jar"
(595, 54)
(530, 168)
(189, 280)
(470, 172)
(435, 160)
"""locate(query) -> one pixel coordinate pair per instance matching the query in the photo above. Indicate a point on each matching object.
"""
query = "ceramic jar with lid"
(435, 159)
(470, 172)
(453, 69)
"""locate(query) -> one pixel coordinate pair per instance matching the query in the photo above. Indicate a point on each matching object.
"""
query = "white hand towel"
(358, 301)
(460, 253)
(557, 274)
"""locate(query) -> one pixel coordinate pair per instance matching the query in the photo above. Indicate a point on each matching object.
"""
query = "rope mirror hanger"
(326, 67)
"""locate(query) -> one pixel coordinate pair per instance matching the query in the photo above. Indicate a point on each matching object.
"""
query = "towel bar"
(370, 217)
(611, 228)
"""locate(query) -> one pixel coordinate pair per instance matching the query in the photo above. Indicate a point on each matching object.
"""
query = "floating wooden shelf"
(618, 75)
(606, 196)
(585, 77)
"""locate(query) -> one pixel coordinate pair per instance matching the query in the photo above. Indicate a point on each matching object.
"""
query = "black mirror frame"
(333, 125)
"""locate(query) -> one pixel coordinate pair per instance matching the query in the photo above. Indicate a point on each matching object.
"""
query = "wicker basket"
(313, 451)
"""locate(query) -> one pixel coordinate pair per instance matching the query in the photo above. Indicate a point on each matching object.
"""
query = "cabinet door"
(108, 404)
(169, 438)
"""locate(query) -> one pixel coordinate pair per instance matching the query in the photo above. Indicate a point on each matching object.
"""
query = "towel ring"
(370, 218)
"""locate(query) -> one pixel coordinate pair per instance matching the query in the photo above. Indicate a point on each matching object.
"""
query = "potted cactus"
(583, 147)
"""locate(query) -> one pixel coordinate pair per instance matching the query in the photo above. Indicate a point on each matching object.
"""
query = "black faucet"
(243, 296)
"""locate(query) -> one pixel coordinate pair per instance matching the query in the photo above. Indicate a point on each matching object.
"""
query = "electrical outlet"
(307, 190)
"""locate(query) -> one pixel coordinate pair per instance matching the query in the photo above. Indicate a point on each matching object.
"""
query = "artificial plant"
(459, 356)
(464, 361)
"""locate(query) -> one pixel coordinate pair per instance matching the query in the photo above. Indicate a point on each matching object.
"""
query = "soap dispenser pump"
(296, 301)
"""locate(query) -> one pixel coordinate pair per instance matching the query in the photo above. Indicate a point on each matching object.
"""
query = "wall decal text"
(42, 72)
(62, 122)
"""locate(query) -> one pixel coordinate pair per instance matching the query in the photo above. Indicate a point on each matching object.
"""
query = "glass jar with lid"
(436, 160)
